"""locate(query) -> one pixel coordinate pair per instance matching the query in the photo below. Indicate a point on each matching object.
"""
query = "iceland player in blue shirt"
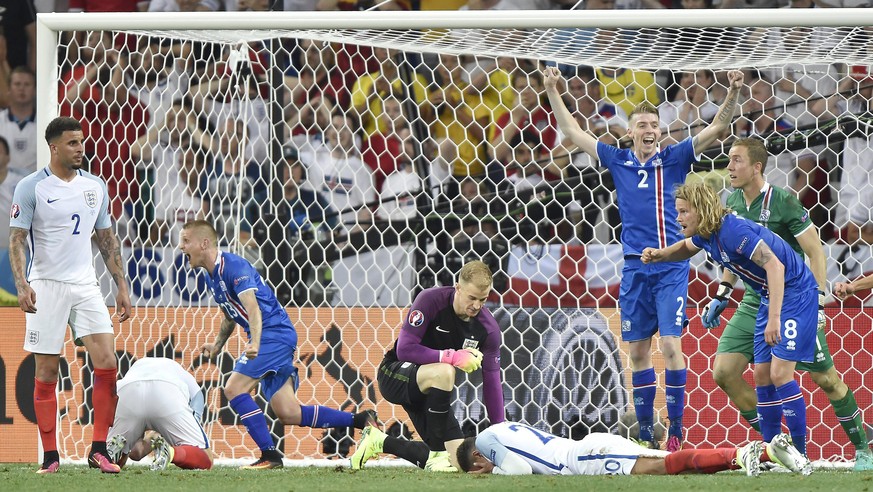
(269, 352)
(652, 297)
(785, 331)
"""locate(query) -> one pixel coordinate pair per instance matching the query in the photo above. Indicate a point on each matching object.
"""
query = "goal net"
(358, 158)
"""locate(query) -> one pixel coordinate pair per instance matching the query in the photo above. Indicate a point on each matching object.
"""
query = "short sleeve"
(23, 204)
(241, 276)
(796, 216)
(607, 154)
(104, 219)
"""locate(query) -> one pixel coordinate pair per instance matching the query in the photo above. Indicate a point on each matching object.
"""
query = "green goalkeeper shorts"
(739, 338)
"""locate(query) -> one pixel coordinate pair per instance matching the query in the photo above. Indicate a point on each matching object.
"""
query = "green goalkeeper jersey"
(778, 210)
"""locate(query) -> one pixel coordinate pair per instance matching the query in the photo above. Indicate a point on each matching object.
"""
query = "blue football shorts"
(652, 299)
(273, 365)
(799, 328)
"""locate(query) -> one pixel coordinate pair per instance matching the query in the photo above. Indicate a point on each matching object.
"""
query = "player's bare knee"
(231, 392)
(289, 415)
(830, 382)
(441, 376)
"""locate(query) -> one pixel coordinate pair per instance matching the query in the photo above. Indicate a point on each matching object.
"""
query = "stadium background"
(555, 295)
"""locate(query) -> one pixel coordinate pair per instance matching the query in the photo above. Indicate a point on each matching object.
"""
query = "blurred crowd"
(463, 147)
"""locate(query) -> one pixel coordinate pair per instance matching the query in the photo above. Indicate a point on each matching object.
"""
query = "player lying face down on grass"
(786, 324)
(517, 449)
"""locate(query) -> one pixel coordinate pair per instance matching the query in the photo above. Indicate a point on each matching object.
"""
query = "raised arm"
(568, 125)
(722, 121)
(110, 250)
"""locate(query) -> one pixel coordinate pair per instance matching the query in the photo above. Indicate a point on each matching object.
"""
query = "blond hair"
(203, 229)
(477, 273)
(644, 107)
(756, 150)
(702, 198)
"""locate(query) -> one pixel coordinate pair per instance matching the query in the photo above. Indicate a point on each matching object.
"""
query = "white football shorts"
(159, 406)
(607, 454)
(59, 304)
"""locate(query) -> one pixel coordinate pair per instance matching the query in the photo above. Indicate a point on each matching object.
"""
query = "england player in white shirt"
(54, 213)
(511, 448)
(160, 407)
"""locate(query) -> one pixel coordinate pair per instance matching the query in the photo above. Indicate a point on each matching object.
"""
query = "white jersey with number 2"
(518, 449)
(61, 216)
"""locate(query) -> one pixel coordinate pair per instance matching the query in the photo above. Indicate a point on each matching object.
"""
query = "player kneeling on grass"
(518, 449)
(159, 409)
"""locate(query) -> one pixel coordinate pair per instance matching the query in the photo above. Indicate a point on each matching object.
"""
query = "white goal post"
(549, 231)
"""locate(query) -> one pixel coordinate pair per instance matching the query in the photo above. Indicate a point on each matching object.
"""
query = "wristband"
(724, 291)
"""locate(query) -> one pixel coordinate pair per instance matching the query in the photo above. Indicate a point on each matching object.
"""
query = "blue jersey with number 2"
(645, 193)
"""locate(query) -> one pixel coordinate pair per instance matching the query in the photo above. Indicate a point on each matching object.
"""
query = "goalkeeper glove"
(467, 360)
(822, 319)
(712, 312)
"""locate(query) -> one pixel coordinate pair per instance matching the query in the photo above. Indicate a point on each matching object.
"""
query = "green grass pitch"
(20, 477)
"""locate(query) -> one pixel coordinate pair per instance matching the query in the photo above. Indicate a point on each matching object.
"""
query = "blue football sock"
(253, 418)
(769, 412)
(674, 380)
(321, 417)
(794, 408)
(644, 402)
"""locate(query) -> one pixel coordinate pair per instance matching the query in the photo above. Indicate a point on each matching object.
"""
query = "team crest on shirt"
(21, 144)
(416, 318)
(15, 211)
(91, 198)
(765, 215)
(724, 257)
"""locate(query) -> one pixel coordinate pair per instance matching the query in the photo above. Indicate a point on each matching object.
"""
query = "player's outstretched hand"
(467, 360)
(651, 255)
(842, 290)
(735, 79)
(27, 299)
(551, 77)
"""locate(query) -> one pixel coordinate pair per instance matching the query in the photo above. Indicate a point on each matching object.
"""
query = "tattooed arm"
(227, 326)
(111, 252)
(722, 121)
(18, 261)
(763, 257)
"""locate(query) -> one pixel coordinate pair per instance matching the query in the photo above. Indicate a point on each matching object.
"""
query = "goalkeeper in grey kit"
(446, 328)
